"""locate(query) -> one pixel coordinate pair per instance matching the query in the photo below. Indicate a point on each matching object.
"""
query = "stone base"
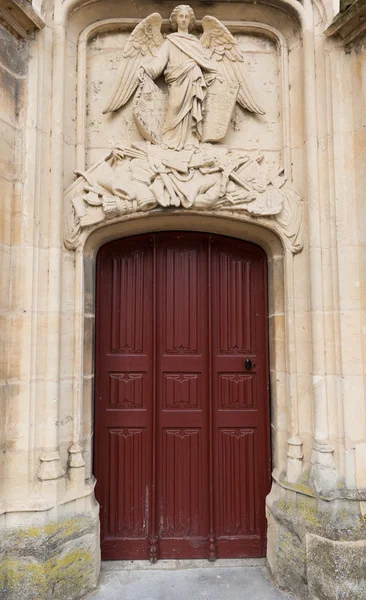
(316, 548)
(336, 569)
(60, 560)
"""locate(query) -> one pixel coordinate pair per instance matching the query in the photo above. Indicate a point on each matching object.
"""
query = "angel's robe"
(183, 58)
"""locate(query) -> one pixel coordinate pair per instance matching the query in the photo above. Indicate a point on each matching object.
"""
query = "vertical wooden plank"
(123, 396)
(182, 397)
(153, 540)
(212, 541)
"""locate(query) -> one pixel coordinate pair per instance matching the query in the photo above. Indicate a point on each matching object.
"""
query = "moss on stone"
(339, 531)
(287, 561)
(58, 560)
(302, 509)
(67, 528)
(61, 577)
(309, 513)
(342, 522)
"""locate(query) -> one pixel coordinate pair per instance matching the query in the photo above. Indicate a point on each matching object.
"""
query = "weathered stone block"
(8, 94)
(13, 52)
(58, 560)
(286, 557)
(7, 148)
(336, 569)
(316, 548)
(6, 197)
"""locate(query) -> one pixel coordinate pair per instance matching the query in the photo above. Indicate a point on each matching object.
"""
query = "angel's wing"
(226, 51)
(145, 39)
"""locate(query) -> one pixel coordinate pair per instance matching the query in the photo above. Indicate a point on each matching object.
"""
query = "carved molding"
(350, 24)
(20, 17)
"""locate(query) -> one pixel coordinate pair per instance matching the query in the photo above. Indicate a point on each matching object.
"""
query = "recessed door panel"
(182, 395)
(240, 397)
(127, 501)
(123, 398)
(182, 418)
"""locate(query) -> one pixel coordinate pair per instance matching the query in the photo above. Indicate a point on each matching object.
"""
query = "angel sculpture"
(174, 166)
(191, 68)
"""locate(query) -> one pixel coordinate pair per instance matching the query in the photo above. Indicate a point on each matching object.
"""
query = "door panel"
(236, 507)
(180, 483)
(182, 427)
(240, 426)
(182, 397)
(123, 398)
(127, 515)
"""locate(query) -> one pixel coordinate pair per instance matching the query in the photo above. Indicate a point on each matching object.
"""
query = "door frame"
(286, 451)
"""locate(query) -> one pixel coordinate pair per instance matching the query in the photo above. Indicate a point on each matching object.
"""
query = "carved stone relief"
(181, 162)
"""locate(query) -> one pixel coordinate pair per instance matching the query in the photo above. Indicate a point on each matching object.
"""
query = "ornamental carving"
(182, 162)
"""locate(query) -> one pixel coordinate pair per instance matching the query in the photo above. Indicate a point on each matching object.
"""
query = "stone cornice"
(349, 24)
(20, 17)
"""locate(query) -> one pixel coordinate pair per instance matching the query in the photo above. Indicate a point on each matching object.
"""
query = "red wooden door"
(182, 420)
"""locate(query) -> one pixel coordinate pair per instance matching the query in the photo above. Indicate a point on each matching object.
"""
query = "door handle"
(248, 364)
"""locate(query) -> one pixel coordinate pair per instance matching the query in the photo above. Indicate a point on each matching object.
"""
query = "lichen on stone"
(58, 560)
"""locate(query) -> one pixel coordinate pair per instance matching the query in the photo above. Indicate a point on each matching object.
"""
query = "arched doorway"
(182, 453)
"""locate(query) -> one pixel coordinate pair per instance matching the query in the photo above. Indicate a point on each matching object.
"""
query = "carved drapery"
(211, 177)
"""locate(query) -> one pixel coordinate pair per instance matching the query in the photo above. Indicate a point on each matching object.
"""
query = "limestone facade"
(58, 61)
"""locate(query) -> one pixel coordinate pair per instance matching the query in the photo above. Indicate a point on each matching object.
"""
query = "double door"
(181, 452)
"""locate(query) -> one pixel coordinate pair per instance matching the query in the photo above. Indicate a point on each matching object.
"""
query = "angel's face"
(183, 19)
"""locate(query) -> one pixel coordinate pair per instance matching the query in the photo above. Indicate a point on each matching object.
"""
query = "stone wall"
(357, 58)
(14, 310)
(317, 541)
(354, 262)
(45, 548)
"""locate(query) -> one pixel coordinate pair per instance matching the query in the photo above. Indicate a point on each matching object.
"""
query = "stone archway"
(286, 449)
(278, 309)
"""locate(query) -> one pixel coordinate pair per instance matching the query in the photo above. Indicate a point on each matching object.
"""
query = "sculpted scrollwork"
(181, 162)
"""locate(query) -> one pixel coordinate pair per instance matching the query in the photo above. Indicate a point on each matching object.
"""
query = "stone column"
(76, 460)
(294, 452)
(50, 467)
(323, 474)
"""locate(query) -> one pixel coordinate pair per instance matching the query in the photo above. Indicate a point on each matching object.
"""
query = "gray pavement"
(186, 580)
